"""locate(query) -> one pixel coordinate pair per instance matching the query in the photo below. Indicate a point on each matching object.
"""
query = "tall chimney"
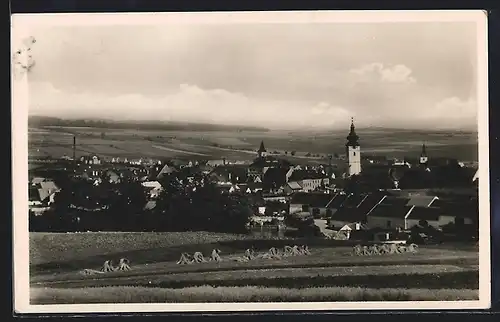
(74, 151)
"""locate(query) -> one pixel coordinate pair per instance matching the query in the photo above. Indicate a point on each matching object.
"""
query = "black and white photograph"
(246, 161)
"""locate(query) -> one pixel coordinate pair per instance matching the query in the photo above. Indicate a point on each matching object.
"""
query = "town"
(352, 196)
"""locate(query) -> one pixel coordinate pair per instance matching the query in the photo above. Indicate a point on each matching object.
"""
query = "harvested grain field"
(153, 257)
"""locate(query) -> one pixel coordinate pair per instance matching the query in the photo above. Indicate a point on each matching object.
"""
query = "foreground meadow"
(329, 273)
(207, 294)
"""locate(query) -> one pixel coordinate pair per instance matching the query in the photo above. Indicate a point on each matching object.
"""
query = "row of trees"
(183, 205)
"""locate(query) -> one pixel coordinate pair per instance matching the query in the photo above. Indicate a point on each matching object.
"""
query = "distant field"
(57, 141)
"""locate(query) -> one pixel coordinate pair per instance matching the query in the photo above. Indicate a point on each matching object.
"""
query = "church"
(358, 173)
(353, 152)
(424, 173)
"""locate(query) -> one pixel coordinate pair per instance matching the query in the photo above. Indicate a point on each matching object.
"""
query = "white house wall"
(294, 208)
(443, 220)
(322, 210)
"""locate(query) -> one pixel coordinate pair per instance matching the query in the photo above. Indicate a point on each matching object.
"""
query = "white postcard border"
(20, 27)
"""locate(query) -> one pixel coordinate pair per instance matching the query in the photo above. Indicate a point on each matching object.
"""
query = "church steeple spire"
(423, 156)
(424, 153)
(353, 152)
(262, 149)
(352, 138)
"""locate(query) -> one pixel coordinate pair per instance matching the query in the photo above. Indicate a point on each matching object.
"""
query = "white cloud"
(326, 109)
(187, 103)
(451, 112)
(400, 74)
(454, 109)
(195, 104)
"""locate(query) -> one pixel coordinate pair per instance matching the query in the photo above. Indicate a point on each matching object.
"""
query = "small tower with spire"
(262, 150)
(353, 151)
(423, 156)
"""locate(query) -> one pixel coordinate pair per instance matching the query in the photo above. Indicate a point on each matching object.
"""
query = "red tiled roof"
(294, 185)
(349, 214)
(33, 194)
(395, 201)
(275, 176)
(421, 201)
(425, 213)
(336, 202)
(44, 193)
(318, 200)
(353, 200)
(390, 211)
(298, 175)
(371, 201)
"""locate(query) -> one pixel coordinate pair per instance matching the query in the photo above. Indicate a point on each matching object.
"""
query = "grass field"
(57, 259)
(204, 294)
(57, 141)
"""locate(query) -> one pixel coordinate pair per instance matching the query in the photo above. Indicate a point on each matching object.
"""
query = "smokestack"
(74, 151)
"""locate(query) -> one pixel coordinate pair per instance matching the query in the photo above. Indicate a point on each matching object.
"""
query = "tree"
(292, 153)
(199, 205)
(423, 223)
(126, 206)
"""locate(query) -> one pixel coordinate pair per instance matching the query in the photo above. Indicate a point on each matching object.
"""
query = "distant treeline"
(41, 121)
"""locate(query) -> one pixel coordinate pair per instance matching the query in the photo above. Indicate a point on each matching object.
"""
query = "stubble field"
(329, 273)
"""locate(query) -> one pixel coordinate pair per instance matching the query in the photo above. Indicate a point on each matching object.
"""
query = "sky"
(283, 76)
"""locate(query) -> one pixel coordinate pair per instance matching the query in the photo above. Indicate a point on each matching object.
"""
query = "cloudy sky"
(419, 74)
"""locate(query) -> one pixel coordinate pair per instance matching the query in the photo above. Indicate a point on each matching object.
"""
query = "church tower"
(423, 156)
(353, 151)
(262, 150)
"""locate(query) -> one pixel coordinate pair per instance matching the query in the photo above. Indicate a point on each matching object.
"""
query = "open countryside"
(300, 238)
(202, 162)
(315, 147)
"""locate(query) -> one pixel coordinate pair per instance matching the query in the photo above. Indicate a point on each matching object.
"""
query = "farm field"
(108, 143)
(208, 294)
(437, 272)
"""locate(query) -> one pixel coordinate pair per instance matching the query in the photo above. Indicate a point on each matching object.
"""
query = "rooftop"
(421, 201)
(298, 175)
(390, 211)
(353, 200)
(318, 200)
(395, 201)
(294, 185)
(425, 213)
(269, 161)
(349, 214)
